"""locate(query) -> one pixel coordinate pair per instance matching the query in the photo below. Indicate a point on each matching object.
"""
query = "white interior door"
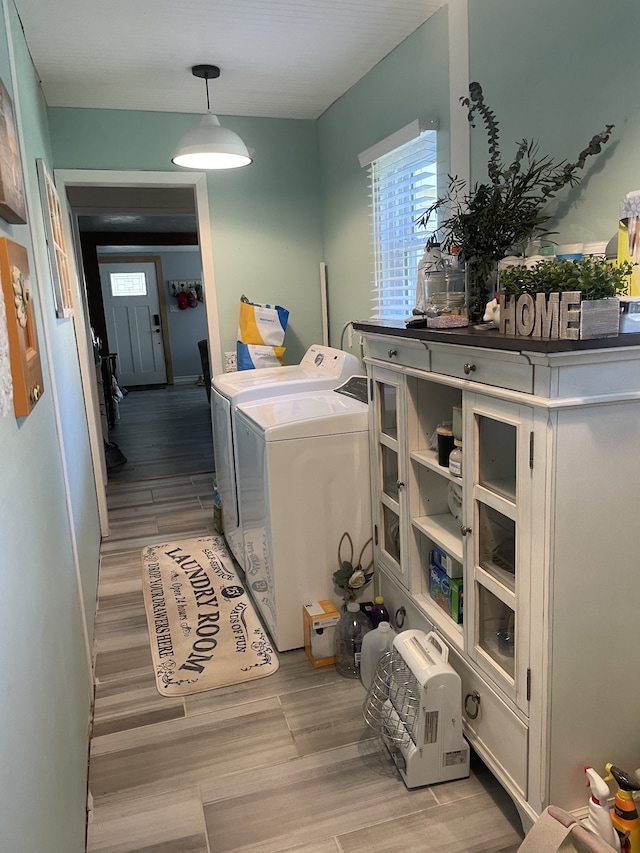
(132, 315)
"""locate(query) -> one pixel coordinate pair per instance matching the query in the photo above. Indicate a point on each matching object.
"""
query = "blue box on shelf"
(446, 592)
(446, 562)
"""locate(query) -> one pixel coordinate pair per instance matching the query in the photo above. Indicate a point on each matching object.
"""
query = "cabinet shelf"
(389, 439)
(445, 624)
(497, 496)
(429, 459)
(502, 588)
(443, 530)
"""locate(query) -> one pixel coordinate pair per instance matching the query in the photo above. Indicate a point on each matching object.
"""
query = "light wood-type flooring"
(284, 763)
(163, 432)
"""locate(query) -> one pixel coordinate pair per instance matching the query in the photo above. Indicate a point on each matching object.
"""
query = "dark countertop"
(477, 336)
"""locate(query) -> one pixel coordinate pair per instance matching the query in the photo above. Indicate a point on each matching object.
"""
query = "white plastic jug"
(374, 645)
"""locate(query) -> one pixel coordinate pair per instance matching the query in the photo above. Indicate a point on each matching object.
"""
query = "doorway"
(68, 181)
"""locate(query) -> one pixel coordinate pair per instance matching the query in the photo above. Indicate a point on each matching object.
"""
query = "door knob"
(464, 530)
(468, 368)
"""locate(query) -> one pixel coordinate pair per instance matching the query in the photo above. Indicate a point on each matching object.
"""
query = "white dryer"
(303, 480)
(321, 368)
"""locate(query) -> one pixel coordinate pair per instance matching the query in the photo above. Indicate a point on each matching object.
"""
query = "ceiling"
(278, 58)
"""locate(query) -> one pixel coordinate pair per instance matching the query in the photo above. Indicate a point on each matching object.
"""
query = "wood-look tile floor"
(163, 432)
(283, 763)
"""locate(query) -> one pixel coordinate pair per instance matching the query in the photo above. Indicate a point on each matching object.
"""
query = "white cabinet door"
(498, 473)
(388, 468)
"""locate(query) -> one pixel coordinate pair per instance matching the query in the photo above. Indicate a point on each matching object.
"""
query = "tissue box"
(446, 592)
(446, 562)
(630, 314)
(319, 621)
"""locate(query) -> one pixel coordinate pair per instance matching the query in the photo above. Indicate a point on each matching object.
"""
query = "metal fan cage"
(392, 703)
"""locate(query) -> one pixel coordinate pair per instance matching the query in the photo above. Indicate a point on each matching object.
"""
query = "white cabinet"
(544, 525)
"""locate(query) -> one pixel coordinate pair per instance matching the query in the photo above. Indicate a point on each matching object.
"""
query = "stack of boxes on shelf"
(445, 583)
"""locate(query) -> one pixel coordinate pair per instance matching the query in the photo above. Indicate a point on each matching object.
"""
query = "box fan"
(415, 705)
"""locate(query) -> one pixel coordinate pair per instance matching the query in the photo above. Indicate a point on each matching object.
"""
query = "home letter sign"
(549, 316)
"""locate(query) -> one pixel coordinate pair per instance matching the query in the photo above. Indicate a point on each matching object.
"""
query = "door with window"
(133, 320)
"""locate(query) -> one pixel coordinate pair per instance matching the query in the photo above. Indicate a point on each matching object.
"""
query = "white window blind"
(403, 185)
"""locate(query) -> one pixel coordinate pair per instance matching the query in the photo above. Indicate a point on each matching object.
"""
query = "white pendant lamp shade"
(210, 146)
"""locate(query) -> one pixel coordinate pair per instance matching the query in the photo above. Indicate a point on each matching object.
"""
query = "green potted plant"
(563, 299)
(486, 221)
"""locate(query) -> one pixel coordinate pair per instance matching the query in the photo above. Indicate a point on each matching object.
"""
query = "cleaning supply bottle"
(374, 645)
(624, 814)
(599, 817)
(378, 612)
(347, 638)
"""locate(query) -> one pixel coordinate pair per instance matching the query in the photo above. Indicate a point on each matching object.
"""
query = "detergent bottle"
(624, 814)
(599, 817)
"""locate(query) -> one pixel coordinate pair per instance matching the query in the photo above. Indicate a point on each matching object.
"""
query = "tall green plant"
(486, 221)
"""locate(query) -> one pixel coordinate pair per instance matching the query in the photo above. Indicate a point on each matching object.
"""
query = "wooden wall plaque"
(26, 367)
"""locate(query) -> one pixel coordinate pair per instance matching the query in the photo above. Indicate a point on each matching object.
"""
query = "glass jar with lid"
(445, 304)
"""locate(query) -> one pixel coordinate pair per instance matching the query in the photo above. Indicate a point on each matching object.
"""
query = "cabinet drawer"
(501, 368)
(405, 352)
(500, 736)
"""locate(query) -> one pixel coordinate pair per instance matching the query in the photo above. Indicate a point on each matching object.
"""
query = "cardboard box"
(446, 592)
(446, 562)
(319, 621)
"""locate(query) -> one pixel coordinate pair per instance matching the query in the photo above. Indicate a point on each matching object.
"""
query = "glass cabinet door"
(498, 537)
(388, 395)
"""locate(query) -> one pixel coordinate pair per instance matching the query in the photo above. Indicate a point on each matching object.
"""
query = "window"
(128, 283)
(403, 185)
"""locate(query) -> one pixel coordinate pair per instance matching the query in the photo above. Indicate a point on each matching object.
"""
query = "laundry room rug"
(203, 630)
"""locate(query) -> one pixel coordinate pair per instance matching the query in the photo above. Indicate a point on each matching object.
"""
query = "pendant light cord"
(206, 82)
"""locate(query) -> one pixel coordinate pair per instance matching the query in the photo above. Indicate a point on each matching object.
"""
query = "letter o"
(205, 645)
(211, 630)
(525, 314)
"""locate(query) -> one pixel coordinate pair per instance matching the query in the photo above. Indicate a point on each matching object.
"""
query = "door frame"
(117, 178)
(156, 260)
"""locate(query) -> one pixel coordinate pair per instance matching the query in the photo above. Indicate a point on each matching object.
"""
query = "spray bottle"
(624, 814)
(599, 818)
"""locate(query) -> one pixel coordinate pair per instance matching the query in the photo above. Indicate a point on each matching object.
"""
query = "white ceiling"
(278, 58)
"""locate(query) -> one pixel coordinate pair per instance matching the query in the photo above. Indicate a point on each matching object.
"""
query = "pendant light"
(209, 145)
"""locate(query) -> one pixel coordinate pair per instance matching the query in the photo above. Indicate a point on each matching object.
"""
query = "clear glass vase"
(480, 285)
(445, 302)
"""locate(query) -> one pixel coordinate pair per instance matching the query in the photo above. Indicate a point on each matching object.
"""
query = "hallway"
(283, 763)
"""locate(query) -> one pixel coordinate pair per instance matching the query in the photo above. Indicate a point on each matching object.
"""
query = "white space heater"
(415, 705)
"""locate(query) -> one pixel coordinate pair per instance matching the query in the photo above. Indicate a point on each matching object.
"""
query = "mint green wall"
(265, 219)
(410, 83)
(558, 73)
(555, 72)
(44, 709)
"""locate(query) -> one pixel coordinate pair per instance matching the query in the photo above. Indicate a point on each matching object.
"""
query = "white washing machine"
(303, 480)
(321, 368)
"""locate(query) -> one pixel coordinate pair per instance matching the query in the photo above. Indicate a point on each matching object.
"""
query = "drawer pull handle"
(468, 368)
(465, 530)
(400, 616)
(475, 708)
(393, 352)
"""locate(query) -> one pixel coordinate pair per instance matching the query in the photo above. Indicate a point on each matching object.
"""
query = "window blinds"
(403, 185)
